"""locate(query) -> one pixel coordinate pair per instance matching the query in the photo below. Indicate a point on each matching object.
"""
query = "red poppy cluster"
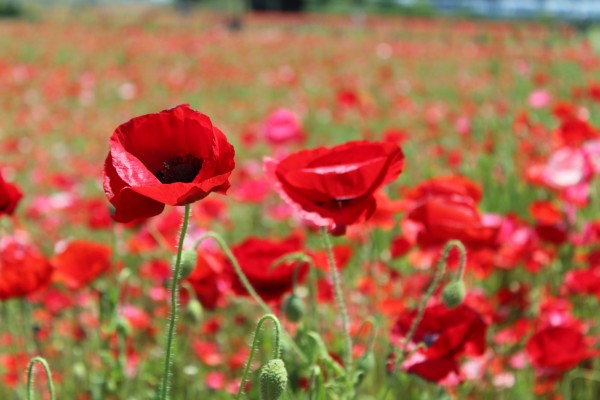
(514, 177)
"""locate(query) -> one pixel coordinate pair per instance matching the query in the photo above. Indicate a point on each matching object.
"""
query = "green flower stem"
(46, 367)
(300, 258)
(578, 374)
(439, 273)
(166, 384)
(276, 349)
(247, 285)
(341, 305)
(312, 270)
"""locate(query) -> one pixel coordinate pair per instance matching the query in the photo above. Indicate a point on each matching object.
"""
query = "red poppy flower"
(256, 257)
(335, 187)
(574, 131)
(23, 270)
(567, 167)
(208, 280)
(445, 208)
(557, 349)
(447, 335)
(10, 196)
(550, 224)
(174, 157)
(282, 126)
(341, 254)
(80, 263)
(584, 281)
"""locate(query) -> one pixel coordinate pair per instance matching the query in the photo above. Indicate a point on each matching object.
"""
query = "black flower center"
(335, 203)
(179, 169)
(430, 339)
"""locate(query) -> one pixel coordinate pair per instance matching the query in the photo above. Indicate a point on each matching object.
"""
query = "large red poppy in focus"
(335, 187)
(23, 270)
(174, 157)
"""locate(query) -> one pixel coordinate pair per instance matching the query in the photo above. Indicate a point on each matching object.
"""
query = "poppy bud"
(454, 294)
(189, 258)
(123, 327)
(273, 380)
(293, 307)
(193, 311)
(365, 364)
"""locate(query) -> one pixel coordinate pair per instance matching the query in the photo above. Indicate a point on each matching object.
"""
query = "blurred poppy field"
(482, 134)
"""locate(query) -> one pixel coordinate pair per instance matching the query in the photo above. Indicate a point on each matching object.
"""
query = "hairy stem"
(247, 285)
(276, 349)
(339, 297)
(46, 367)
(166, 384)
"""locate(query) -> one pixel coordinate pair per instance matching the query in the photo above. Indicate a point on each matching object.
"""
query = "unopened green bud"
(194, 311)
(366, 362)
(273, 380)
(454, 294)
(293, 307)
(189, 258)
(123, 327)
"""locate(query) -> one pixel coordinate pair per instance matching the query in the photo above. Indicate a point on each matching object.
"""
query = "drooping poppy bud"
(189, 257)
(293, 307)
(365, 364)
(454, 294)
(194, 311)
(273, 380)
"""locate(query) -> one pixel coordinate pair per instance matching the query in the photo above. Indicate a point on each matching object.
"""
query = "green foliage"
(11, 9)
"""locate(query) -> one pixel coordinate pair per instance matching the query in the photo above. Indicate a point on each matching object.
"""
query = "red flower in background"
(23, 270)
(551, 225)
(208, 280)
(447, 335)
(80, 262)
(567, 167)
(556, 349)
(335, 187)
(256, 257)
(175, 157)
(574, 131)
(10, 195)
(445, 208)
(283, 126)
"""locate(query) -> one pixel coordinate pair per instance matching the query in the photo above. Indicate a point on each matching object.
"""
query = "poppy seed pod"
(273, 380)
(454, 294)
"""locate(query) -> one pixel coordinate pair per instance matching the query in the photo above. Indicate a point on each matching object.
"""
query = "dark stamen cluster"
(179, 169)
